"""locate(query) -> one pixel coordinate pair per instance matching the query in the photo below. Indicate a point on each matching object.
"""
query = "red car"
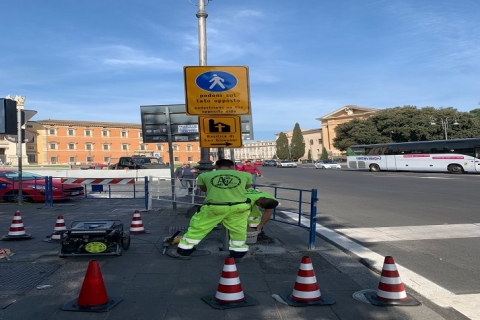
(258, 162)
(33, 187)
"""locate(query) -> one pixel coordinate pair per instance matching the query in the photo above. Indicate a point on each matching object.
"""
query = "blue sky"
(101, 59)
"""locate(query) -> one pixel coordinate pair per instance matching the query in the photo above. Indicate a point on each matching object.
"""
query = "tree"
(408, 123)
(282, 146)
(297, 144)
(309, 155)
(324, 155)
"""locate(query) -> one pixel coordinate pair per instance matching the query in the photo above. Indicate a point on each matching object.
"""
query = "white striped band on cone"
(56, 236)
(137, 224)
(229, 287)
(60, 224)
(17, 228)
(390, 286)
(306, 286)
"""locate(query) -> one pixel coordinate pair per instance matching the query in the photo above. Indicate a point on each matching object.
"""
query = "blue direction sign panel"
(216, 90)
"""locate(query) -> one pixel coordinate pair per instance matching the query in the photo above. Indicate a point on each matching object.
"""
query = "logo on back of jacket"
(226, 181)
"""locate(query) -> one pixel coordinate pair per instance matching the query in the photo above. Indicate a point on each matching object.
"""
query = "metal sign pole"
(19, 153)
(170, 158)
(205, 164)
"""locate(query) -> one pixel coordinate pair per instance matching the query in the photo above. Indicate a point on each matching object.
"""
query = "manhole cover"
(18, 278)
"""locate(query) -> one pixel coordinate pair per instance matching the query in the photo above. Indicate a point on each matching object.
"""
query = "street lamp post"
(445, 122)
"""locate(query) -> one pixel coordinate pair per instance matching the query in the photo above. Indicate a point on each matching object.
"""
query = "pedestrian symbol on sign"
(216, 81)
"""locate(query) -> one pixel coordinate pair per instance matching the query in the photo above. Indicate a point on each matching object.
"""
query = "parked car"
(286, 164)
(258, 162)
(269, 163)
(33, 187)
(97, 165)
(326, 164)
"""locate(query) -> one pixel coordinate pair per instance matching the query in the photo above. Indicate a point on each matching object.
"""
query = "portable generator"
(95, 237)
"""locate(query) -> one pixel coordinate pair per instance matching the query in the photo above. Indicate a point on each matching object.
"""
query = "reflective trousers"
(234, 218)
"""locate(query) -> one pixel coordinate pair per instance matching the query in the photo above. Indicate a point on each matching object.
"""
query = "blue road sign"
(216, 81)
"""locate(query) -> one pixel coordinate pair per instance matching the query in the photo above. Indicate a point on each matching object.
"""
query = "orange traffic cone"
(93, 295)
(306, 291)
(137, 225)
(229, 292)
(58, 231)
(17, 229)
(391, 291)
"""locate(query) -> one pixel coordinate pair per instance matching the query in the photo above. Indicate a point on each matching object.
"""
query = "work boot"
(238, 260)
(174, 254)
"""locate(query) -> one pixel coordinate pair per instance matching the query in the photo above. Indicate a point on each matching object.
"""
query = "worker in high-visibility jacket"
(225, 203)
(257, 219)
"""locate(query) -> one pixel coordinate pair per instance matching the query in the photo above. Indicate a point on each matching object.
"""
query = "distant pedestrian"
(253, 170)
(225, 203)
(186, 175)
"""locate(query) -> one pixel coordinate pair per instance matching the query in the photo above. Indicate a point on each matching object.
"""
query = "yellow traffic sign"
(216, 90)
(220, 132)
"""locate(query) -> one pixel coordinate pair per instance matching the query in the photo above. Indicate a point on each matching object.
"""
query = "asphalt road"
(429, 222)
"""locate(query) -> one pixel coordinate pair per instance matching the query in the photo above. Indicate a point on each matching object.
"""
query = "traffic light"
(8, 116)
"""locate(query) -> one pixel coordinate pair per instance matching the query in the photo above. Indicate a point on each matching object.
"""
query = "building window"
(71, 159)
(53, 160)
(125, 147)
(71, 146)
(140, 133)
(124, 134)
(53, 146)
(88, 133)
(89, 158)
(176, 159)
(88, 146)
(175, 147)
(106, 146)
(189, 158)
(71, 132)
(189, 147)
(106, 159)
(52, 131)
(159, 147)
(104, 133)
(142, 147)
(29, 126)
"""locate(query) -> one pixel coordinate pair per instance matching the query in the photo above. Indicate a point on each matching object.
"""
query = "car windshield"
(286, 161)
(13, 175)
(147, 160)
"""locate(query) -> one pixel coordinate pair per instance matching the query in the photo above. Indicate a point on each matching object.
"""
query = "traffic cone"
(391, 291)
(93, 295)
(229, 292)
(137, 225)
(17, 229)
(58, 231)
(306, 291)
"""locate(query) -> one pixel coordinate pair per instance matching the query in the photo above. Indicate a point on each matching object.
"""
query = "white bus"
(454, 156)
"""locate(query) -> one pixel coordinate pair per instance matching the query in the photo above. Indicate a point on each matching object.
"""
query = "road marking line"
(466, 304)
(405, 233)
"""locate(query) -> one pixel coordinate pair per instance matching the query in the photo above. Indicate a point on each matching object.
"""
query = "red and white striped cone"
(229, 292)
(17, 229)
(391, 291)
(137, 224)
(58, 231)
(306, 290)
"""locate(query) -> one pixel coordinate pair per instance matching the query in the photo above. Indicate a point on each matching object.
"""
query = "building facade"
(85, 142)
(330, 121)
(255, 150)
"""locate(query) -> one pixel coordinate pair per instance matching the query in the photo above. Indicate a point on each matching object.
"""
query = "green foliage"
(309, 155)
(476, 112)
(297, 144)
(408, 123)
(282, 146)
(324, 155)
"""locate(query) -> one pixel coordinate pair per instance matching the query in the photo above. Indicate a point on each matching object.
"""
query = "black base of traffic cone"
(73, 306)
(372, 297)
(22, 237)
(323, 301)
(247, 302)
